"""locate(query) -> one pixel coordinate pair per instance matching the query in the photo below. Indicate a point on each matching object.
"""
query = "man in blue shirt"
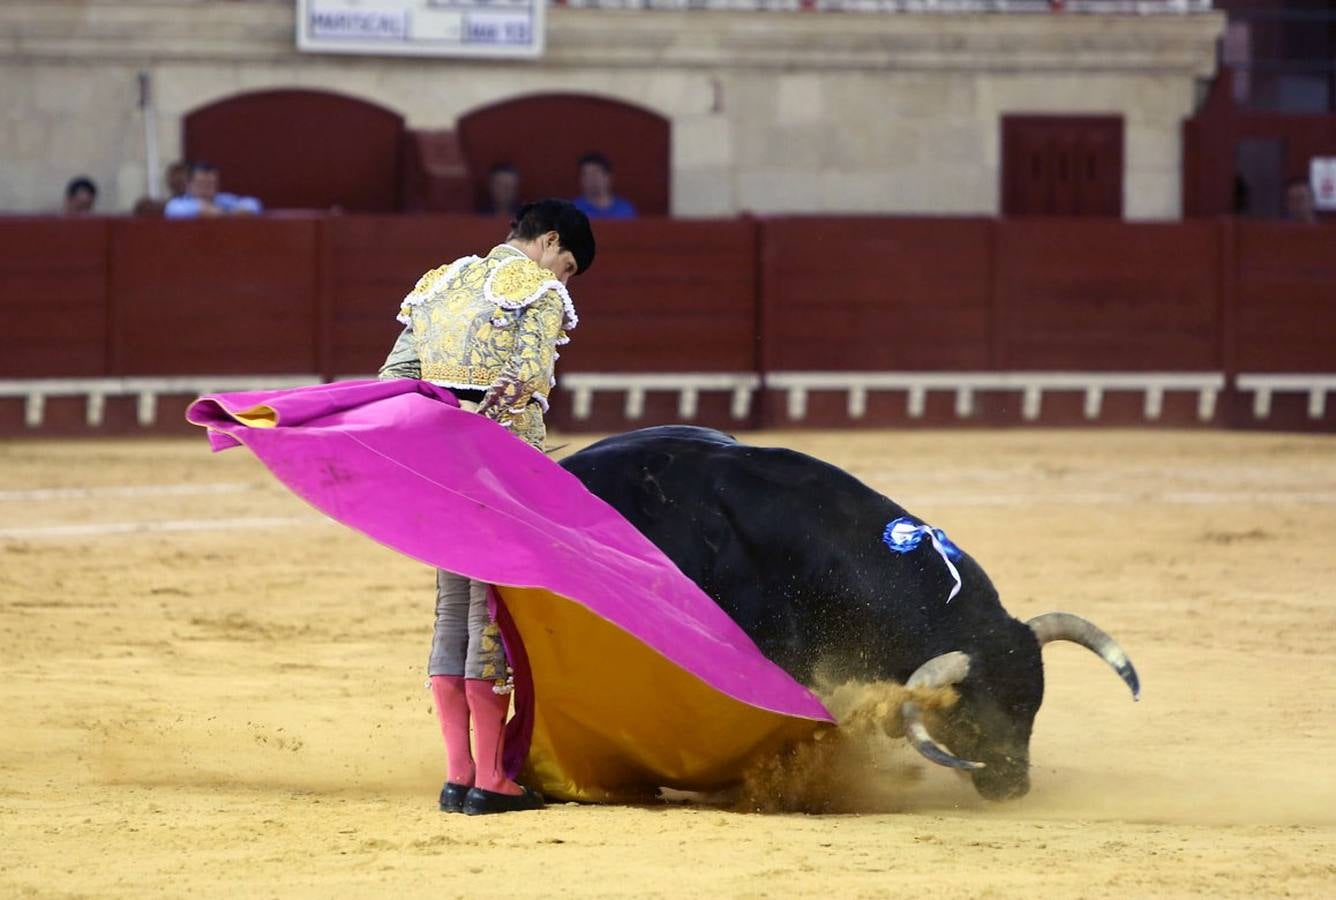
(596, 200)
(202, 198)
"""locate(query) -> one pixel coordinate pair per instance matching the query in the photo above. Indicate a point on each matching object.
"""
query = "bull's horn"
(940, 671)
(1061, 626)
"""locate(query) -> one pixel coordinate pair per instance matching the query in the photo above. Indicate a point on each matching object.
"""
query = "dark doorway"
(1062, 166)
(1259, 177)
(636, 140)
(300, 149)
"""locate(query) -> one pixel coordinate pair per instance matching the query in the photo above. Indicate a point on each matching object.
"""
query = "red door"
(301, 149)
(1062, 166)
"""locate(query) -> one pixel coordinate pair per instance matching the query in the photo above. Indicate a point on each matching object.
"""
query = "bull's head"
(989, 728)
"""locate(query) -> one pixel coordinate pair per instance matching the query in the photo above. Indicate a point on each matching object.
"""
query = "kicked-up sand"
(208, 690)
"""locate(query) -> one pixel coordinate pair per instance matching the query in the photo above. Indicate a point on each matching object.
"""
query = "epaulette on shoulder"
(428, 285)
(519, 281)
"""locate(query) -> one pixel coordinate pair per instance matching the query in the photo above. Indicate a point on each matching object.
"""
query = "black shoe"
(452, 797)
(479, 802)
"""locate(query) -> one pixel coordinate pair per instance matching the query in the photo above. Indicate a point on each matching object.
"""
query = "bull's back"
(761, 530)
(662, 480)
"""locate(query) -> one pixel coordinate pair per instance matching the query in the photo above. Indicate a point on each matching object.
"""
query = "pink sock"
(489, 730)
(452, 711)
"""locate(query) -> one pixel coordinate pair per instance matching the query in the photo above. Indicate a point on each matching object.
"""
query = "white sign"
(368, 24)
(499, 28)
(1322, 178)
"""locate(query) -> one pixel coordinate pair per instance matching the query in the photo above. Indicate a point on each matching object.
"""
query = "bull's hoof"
(480, 803)
(452, 797)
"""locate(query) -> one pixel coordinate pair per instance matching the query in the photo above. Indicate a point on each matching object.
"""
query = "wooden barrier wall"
(55, 308)
(367, 265)
(762, 299)
(1280, 314)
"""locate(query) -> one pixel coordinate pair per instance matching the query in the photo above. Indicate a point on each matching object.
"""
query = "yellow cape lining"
(615, 720)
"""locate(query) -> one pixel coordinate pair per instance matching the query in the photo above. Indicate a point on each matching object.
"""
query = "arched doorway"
(300, 149)
(543, 136)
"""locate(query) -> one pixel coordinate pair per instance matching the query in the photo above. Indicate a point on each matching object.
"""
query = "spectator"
(176, 178)
(80, 196)
(202, 198)
(1299, 205)
(596, 200)
(503, 191)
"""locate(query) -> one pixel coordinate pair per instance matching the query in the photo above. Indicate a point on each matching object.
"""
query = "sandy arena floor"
(206, 689)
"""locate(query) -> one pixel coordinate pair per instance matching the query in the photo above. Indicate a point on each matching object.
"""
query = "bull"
(799, 554)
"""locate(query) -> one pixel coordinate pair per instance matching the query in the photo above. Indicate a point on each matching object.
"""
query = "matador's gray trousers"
(466, 642)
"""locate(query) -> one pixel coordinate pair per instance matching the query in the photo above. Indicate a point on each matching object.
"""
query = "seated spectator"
(1299, 204)
(596, 200)
(203, 199)
(503, 191)
(176, 178)
(80, 196)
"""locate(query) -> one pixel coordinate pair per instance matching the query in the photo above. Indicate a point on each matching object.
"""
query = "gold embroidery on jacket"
(493, 324)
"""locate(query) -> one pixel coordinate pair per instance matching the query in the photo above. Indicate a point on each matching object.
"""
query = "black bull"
(791, 548)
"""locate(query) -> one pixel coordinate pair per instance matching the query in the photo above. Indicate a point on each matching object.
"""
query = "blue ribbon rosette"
(903, 535)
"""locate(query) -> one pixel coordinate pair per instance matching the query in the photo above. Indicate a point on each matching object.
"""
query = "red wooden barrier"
(875, 294)
(213, 297)
(1286, 296)
(1105, 295)
(664, 296)
(1284, 306)
(317, 297)
(367, 266)
(661, 297)
(53, 297)
(870, 294)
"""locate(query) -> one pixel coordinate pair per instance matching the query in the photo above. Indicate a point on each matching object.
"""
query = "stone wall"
(771, 112)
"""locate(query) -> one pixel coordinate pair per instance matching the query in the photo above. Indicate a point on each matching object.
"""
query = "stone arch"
(302, 149)
(543, 135)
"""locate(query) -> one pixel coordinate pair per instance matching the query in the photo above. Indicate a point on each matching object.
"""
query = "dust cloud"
(861, 766)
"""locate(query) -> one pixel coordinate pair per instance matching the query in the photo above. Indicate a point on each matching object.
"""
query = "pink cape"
(628, 677)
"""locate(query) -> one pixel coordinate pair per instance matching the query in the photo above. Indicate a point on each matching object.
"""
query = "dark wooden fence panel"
(1108, 295)
(1283, 279)
(53, 297)
(369, 263)
(226, 296)
(875, 294)
(316, 296)
(1286, 297)
(665, 296)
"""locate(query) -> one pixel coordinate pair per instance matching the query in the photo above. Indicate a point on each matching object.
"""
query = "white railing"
(1030, 385)
(742, 387)
(687, 386)
(146, 390)
(1263, 386)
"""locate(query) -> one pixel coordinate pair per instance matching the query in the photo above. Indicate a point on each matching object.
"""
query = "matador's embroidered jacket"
(488, 323)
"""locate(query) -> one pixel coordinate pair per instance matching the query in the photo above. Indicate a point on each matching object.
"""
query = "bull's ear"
(1064, 626)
